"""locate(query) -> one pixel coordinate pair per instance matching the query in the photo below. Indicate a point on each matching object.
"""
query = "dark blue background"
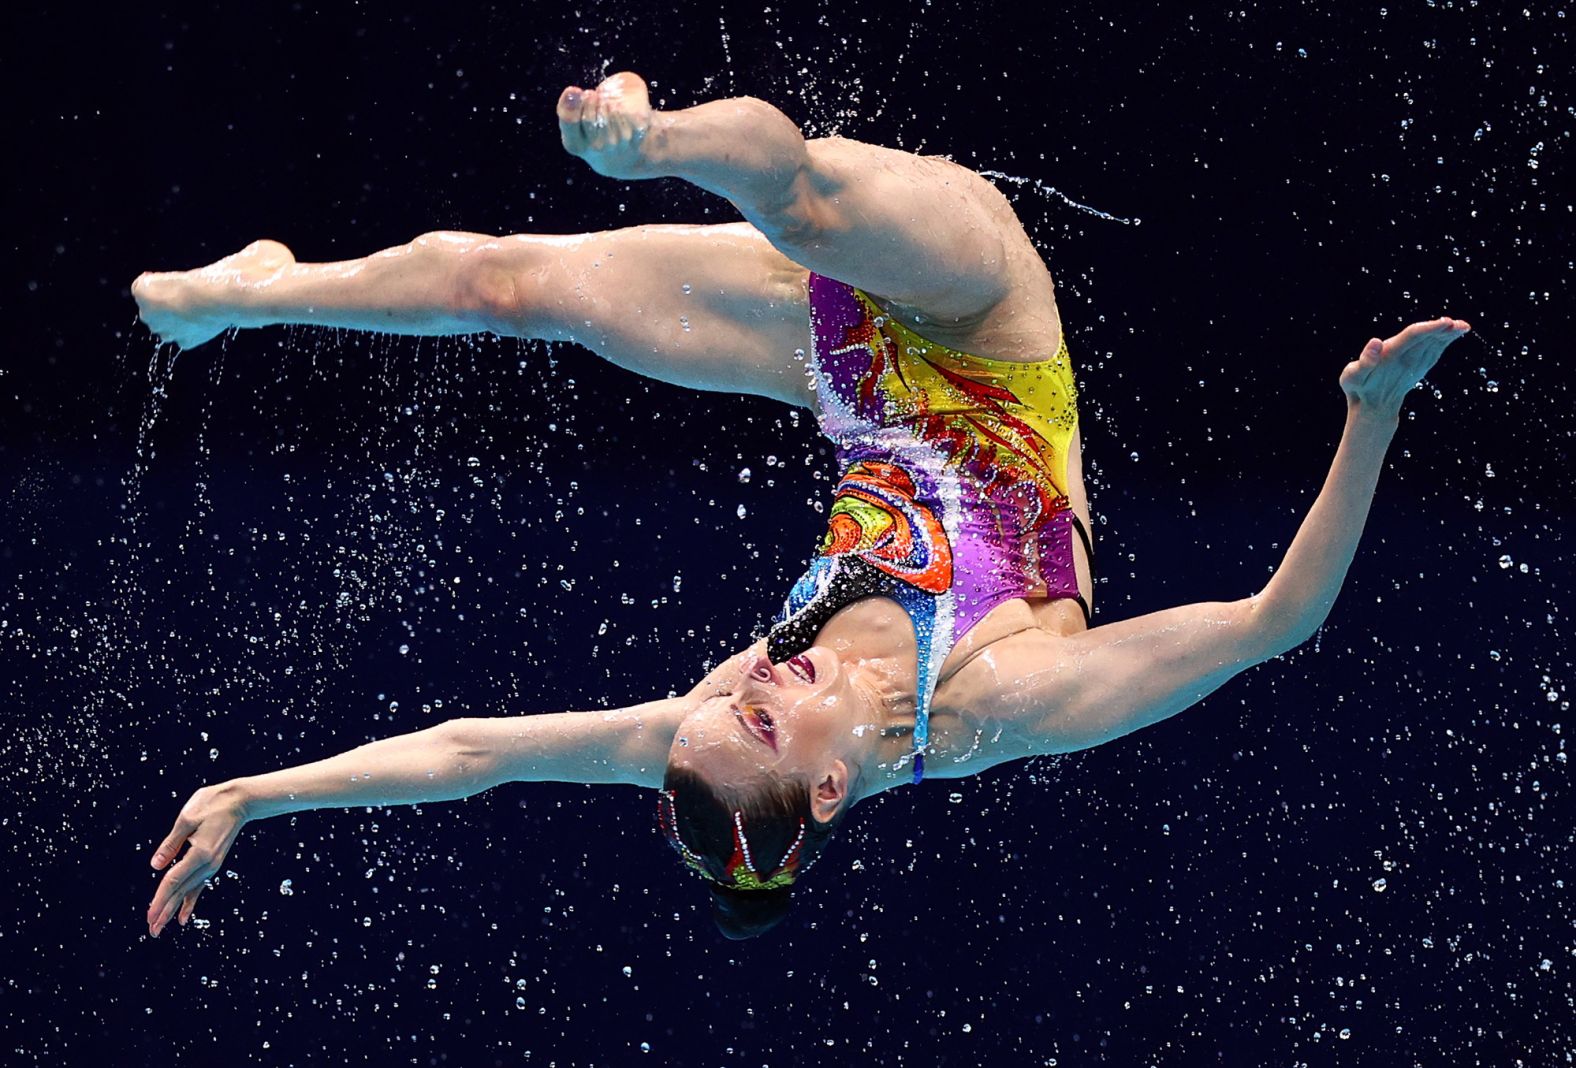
(209, 571)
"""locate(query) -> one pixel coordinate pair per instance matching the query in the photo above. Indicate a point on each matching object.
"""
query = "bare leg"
(936, 242)
(710, 307)
(933, 240)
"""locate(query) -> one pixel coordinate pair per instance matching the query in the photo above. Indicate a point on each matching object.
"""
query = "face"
(800, 718)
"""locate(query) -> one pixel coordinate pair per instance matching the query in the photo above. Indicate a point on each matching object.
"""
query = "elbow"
(458, 746)
(1277, 629)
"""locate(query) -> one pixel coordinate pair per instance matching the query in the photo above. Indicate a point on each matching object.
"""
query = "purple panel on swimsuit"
(834, 310)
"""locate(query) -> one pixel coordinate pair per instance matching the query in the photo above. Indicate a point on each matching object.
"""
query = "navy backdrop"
(281, 546)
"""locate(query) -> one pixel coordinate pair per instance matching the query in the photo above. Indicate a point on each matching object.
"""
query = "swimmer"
(943, 626)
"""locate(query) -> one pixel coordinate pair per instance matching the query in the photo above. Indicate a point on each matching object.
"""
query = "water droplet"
(404, 650)
(744, 474)
(743, 511)
(1505, 562)
(628, 971)
(287, 888)
(1380, 885)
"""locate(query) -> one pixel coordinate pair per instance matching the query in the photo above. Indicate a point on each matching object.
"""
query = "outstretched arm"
(451, 760)
(1073, 693)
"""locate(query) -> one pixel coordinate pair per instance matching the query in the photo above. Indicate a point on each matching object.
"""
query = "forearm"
(1299, 596)
(428, 765)
(743, 149)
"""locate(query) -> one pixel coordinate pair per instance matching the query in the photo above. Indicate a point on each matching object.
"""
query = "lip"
(802, 666)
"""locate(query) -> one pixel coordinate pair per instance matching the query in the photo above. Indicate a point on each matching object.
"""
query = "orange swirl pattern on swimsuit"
(876, 515)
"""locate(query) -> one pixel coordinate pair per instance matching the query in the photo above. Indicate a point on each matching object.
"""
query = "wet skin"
(773, 718)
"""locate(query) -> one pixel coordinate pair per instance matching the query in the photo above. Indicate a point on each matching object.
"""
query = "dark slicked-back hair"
(772, 812)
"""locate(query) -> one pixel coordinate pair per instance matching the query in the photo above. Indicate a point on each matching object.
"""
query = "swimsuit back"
(953, 495)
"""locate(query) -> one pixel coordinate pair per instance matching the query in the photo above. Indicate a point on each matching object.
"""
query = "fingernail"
(573, 99)
(157, 859)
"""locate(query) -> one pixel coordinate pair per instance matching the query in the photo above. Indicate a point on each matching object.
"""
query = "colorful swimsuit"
(953, 498)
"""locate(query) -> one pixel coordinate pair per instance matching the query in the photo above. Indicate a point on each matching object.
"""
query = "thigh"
(708, 307)
(934, 243)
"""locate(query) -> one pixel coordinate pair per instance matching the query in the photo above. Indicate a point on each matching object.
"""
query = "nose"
(762, 671)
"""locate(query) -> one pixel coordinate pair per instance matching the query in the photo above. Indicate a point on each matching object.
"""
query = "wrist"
(242, 796)
(1373, 412)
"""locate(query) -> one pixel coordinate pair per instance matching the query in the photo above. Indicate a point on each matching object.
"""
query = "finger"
(173, 886)
(190, 904)
(172, 905)
(171, 845)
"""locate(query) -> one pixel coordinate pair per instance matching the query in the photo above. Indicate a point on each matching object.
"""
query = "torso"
(877, 627)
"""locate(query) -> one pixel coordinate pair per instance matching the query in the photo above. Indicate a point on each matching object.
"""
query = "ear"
(829, 795)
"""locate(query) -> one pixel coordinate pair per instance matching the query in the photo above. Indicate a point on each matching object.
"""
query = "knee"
(484, 283)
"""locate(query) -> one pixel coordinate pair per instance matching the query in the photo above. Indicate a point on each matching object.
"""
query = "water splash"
(1052, 191)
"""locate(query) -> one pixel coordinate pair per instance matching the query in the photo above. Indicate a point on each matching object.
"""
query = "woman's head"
(750, 844)
(758, 779)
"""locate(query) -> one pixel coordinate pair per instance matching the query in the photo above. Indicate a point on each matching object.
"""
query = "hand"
(209, 823)
(1385, 370)
(607, 126)
(188, 308)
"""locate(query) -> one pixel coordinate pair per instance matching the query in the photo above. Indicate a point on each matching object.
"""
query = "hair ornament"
(741, 872)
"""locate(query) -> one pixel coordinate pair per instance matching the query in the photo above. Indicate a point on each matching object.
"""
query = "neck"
(884, 729)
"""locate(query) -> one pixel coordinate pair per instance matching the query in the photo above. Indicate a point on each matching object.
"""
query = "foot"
(607, 126)
(187, 308)
(1385, 370)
